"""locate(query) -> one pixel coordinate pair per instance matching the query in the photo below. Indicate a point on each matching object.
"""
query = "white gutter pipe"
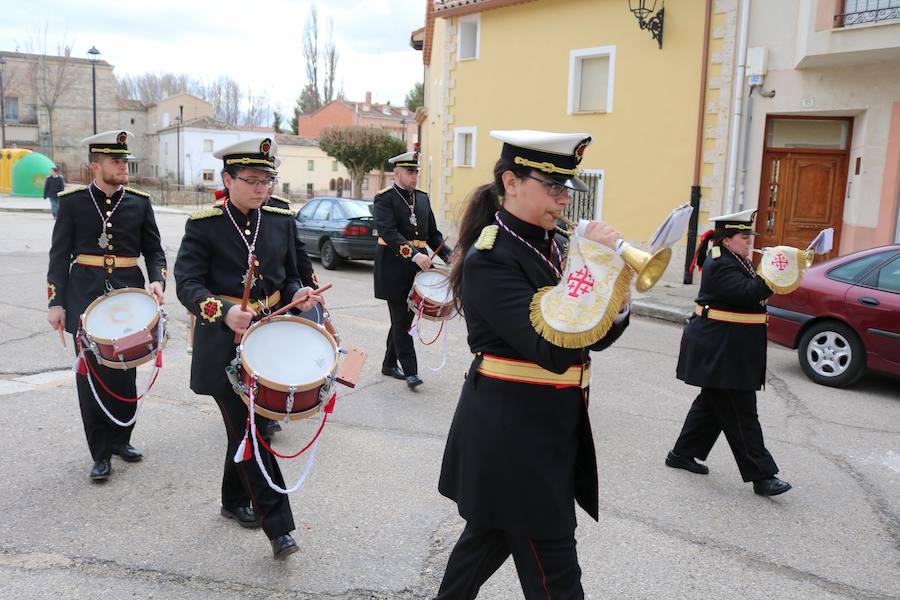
(737, 96)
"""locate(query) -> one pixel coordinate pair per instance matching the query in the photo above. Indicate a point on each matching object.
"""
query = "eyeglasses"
(553, 189)
(257, 182)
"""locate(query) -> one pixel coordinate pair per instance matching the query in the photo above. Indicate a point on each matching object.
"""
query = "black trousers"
(243, 483)
(102, 434)
(548, 569)
(732, 412)
(399, 344)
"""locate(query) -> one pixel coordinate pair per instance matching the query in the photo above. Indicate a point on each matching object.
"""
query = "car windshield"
(853, 271)
(356, 208)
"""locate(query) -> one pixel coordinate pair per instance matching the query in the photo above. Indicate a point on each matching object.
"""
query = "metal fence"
(584, 204)
(867, 11)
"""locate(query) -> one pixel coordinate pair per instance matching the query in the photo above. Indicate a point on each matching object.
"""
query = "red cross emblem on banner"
(780, 261)
(580, 282)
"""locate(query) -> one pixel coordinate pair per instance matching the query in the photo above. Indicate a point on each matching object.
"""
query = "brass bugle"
(648, 267)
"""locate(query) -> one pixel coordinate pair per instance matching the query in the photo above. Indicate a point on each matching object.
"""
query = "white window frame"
(575, 58)
(458, 132)
(598, 201)
(476, 18)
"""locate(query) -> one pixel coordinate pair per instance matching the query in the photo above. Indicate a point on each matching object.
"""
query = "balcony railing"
(868, 11)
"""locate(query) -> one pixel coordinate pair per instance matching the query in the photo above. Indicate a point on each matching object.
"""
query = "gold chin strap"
(546, 167)
(107, 151)
(738, 227)
(249, 161)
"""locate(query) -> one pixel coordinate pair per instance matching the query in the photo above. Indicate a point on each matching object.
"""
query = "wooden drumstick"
(297, 302)
(248, 284)
(436, 250)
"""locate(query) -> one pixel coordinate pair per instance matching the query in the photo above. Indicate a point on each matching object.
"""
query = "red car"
(844, 317)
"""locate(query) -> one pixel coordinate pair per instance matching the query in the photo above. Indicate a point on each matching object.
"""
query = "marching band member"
(210, 271)
(99, 233)
(520, 451)
(723, 351)
(405, 224)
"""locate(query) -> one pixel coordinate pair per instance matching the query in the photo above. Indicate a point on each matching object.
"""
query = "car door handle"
(869, 301)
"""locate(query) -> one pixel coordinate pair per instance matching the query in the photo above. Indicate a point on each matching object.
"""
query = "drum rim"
(425, 298)
(110, 294)
(280, 387)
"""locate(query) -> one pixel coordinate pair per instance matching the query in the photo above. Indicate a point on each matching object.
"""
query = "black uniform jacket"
(304, 264)
(133, 232)
(718, 354)
(212, 262)
(518, 455)
(394, 266)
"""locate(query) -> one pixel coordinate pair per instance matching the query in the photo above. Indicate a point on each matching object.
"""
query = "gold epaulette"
(278, 211)
(203, 213)
(487, 238)
(219, 202)
(77, 188)
(716, 252)
(137, 192)
(280, 200)
(385, 189)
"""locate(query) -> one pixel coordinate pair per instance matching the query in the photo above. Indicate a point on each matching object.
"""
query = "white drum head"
(434, 285)
(121, 314)
(288, 353)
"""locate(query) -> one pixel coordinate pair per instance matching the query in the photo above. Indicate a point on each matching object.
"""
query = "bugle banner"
(782, 267)
(579, 310)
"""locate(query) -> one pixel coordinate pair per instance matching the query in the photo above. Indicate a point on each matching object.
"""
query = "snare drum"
(122, 328)
(294, 363)
(431, 295)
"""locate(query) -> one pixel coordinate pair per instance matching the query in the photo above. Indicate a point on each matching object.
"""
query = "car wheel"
(831, 354)
(329, 257)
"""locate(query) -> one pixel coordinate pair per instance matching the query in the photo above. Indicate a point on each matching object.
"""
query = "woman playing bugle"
(520, 452)
(723, 351)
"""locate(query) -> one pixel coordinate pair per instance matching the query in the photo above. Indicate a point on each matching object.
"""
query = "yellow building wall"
(431, 146)
(520, 80)
(294, 170)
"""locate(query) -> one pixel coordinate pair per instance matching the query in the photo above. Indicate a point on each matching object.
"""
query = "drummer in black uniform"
(210, 271)
(406, 226)
(98, 235)
(723, 351)
(520, 452)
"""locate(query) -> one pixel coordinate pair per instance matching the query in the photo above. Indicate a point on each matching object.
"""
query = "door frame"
(843, 173)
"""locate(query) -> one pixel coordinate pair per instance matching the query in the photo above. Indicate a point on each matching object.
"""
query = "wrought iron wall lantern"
(654, 23)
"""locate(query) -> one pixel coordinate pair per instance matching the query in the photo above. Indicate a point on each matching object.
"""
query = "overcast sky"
(258, 44)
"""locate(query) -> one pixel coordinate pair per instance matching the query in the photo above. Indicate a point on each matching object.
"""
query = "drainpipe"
(698, 150)
(737, 116)
(745, 143)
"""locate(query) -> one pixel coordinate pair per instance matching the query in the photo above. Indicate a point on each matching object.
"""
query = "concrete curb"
(663, 312)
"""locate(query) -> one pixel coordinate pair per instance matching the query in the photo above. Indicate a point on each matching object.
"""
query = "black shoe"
(688, 464)
(394, 372)
(770, 487)
(128, 452)
(244, 515)
(101, 470)
(414, 381)
(283, 546)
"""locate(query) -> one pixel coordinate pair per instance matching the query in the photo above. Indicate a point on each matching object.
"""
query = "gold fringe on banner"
(804, 260)
(581, 339)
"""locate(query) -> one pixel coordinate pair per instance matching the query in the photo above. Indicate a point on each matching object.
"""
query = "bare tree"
(258, 109)
(310, 93)
(49, 76)
(225, 95)
(331, 60)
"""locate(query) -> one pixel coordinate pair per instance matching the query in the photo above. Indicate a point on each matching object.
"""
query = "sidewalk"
(39, 205)
(669, 300)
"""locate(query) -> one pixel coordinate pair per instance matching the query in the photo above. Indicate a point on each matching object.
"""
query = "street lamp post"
(2, 107)
(94, 54)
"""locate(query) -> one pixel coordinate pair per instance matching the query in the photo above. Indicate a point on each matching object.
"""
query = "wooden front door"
(800, 194)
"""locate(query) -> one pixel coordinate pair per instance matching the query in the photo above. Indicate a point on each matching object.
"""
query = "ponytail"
(482, 205)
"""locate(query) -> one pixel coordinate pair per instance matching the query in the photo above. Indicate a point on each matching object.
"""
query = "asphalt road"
(371, 523)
